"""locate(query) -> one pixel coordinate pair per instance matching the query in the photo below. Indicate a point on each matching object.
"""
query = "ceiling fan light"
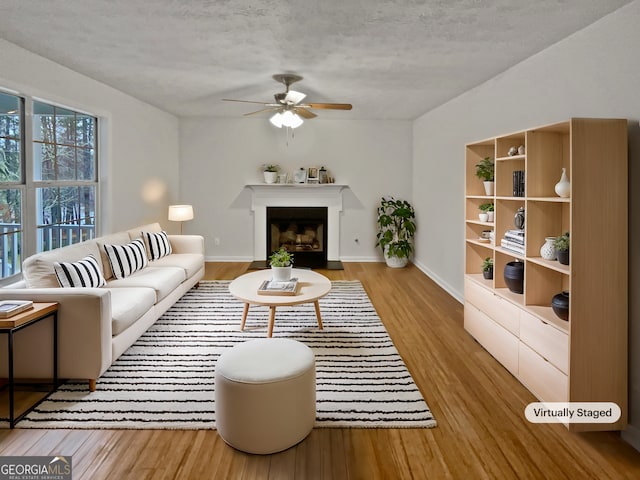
(296, 121)
(277, 119)
(294, 97)
(291, 119)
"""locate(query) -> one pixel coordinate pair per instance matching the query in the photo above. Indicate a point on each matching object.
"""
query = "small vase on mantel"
(563, 187)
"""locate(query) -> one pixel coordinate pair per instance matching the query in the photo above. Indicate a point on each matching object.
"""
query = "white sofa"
(96, 325)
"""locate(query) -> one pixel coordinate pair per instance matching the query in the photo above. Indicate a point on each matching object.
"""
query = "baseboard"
(228, 259)
(444, 285)
(631, 435)
(361, 259)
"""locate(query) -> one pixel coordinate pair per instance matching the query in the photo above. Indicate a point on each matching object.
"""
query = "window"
(11, 183)
(64, 171)
(48, 192)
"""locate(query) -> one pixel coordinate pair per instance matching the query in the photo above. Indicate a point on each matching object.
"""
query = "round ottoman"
(265, 392)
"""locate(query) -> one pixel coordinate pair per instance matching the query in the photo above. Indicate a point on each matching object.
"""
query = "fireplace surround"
(328, 196)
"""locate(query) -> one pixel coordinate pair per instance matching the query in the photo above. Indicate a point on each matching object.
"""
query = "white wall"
(138, 142)
(218, 157)
(594, 73)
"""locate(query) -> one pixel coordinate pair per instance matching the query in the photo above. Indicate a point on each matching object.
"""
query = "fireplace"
(290, 197)
(300, 230)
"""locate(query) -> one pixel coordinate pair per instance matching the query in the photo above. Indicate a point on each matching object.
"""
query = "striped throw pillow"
(84, 273)
(158, 243)
(126, 259)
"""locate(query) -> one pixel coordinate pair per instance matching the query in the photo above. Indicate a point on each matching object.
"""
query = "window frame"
(29, 186)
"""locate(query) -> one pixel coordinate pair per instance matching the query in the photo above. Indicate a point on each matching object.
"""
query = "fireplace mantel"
(296, 195)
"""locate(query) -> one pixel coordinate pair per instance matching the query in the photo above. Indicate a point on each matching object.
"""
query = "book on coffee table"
(273, 287)
(8, 308)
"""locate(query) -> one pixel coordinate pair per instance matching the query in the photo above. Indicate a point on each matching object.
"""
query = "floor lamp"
(180, 213)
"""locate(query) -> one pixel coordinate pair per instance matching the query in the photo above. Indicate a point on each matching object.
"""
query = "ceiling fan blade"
(268, 109)
(333, 106)
(293, 97)
(243, 101)
(303, 112)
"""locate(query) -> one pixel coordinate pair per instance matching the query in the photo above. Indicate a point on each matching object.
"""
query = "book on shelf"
(273, 287)
(513, 246)
(518, 183)
(9, 308)
(516, 236)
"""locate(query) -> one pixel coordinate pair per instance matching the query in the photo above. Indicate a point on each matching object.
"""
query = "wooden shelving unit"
(584, 358)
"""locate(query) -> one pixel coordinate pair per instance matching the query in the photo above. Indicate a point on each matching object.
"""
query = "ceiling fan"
(288, 109)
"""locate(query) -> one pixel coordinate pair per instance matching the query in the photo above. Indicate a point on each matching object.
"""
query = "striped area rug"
(166, 379)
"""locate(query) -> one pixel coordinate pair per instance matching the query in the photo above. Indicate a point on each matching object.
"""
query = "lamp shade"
(180, 213)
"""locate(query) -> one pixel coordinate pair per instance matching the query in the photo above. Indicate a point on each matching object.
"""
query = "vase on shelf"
(563, 187)
(548, 250)
(560, 305)
(488, 188)
(563, 256)
(514, 276)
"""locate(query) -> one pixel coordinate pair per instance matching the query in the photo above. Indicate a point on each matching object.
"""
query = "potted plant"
(396, 229)
(281, 262)
(561, 244)
(270, 173)
(485, 171)
(487, 268)
(488, 209)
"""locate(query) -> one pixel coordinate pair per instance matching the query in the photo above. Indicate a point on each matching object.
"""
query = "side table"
(10, 326)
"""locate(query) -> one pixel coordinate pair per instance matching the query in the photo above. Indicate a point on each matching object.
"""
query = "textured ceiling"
(393, 59)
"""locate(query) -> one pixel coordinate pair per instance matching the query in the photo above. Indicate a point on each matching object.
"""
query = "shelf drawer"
(496, 307)
(546, 340)
(495, 339)
(543, 379)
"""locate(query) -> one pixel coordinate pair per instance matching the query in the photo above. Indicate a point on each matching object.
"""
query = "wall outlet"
(216, 241)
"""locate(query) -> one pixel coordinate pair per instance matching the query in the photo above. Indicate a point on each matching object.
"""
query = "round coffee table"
(311, 287)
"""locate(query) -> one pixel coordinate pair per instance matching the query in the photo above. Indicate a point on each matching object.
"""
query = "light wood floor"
(479, 407)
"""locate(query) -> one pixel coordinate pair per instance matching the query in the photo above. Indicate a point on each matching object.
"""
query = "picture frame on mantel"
(312, 175)
(300, 176)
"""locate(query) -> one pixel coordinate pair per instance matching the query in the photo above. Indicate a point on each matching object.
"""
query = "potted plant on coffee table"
(485, 171)
(281, 262)
(396, 229)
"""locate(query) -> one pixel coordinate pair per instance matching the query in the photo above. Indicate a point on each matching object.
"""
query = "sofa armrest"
(187, 243)
(84, 332)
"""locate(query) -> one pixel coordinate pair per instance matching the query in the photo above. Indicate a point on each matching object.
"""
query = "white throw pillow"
(158, 244)
(84, 273)
(126, 259)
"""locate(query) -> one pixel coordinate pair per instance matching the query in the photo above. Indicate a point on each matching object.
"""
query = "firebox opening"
(300, 230)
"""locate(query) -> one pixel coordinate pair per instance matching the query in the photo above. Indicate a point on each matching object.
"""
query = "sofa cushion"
(163, 280)
(191, 263)
(119, 238)
(83, 273)
(128, 305)
(137, 232)
(38, 271)
(158, 244)
(127, 259)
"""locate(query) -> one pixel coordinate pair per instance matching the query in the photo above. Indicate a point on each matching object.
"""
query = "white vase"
(490, 216)
(563, 187)
(483, 217)
(488, 188)
(548, 251)
(270, 177)
(281, 274)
